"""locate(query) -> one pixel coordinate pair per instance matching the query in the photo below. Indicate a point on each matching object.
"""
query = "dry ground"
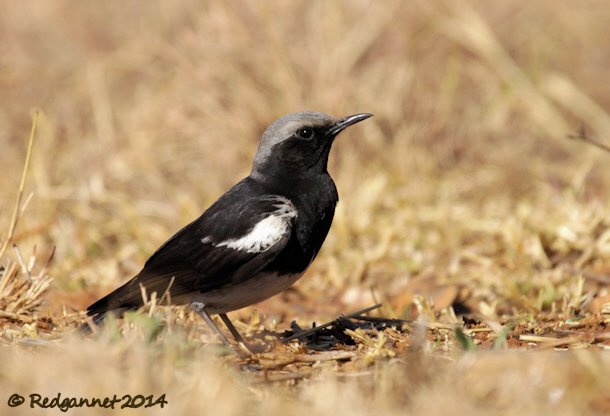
(465, 209)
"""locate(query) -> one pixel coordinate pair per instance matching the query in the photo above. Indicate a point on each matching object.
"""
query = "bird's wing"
(235, 238)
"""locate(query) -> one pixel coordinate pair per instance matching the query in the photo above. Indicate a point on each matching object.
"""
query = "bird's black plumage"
(257, 238)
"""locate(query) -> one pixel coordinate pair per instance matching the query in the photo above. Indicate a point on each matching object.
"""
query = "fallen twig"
(584, 137)
(283, 377)
(16, 316)
(320, 327)
(551, 342)
(325, 356)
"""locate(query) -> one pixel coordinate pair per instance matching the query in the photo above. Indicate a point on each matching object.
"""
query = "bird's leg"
(240, 340)
(200, 309)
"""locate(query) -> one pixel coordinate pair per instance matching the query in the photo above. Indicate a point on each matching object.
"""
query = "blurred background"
(463, 195)
(464, 188)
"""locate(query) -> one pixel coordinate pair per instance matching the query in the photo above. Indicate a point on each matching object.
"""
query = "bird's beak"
(345, 122)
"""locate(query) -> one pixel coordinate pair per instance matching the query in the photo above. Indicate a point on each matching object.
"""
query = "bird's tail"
(97, 313)
(99, 310)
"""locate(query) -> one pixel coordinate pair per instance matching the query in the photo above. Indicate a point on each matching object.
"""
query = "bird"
(257, 239)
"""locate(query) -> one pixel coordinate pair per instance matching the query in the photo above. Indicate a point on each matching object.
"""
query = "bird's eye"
(305, 132)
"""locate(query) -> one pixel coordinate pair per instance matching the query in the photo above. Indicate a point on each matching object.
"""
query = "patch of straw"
(21, 283)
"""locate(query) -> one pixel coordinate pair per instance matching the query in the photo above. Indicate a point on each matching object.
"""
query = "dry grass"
(463, 194)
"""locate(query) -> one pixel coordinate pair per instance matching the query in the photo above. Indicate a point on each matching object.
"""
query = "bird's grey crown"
(284, 127)
(305, 118)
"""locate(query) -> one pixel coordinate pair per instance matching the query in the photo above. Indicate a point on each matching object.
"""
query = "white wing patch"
(267, 232)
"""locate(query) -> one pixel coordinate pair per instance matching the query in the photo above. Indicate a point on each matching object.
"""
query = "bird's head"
(298, 144)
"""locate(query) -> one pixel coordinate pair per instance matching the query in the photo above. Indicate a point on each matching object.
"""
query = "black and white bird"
(257, 239)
